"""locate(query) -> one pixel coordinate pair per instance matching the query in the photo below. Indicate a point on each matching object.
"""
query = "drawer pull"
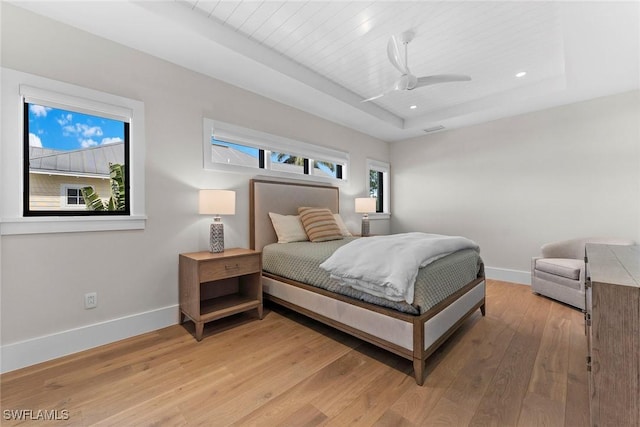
(231, 267)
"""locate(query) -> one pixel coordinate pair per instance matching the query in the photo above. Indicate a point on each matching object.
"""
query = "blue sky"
(68, 130)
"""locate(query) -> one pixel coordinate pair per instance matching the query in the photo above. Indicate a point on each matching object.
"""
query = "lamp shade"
(217, 202)
(365, 204)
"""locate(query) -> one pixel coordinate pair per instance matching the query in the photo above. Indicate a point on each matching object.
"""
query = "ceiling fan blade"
(395, 57)
(396, 86)
(441, 78)
(373, 97)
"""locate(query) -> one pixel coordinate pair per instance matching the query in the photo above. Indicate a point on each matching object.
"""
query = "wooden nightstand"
(217, 285)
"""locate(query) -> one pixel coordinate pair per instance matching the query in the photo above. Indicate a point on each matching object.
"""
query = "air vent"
(434, 129)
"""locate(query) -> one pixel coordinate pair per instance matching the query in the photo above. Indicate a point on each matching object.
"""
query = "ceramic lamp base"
(216, 240)
(365, 227)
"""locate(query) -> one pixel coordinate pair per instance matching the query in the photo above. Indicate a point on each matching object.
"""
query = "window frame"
(66, 210)
(266, 144)
(384, 169)
(17, 85)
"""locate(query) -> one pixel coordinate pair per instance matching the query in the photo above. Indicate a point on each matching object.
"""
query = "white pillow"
(288, 228)
(343, 228)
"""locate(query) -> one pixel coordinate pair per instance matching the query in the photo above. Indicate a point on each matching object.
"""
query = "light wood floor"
(521, 365)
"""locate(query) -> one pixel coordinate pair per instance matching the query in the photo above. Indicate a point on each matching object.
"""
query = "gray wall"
(44, 277)
(516, 183)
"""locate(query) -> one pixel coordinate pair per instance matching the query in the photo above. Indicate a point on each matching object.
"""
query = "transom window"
(234, 148)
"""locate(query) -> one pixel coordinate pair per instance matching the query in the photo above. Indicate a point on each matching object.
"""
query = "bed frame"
(414, 337)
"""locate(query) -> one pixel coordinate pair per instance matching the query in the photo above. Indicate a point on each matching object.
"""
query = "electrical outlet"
(90, 300)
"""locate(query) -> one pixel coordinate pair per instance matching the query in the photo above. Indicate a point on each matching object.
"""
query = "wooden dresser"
(612, 321)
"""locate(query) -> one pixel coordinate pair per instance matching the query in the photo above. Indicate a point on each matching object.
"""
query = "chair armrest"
(533, 263)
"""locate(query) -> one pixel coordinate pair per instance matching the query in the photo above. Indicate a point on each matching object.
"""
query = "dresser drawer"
(228, 267)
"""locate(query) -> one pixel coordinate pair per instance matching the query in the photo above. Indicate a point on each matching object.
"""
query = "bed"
(410, 332)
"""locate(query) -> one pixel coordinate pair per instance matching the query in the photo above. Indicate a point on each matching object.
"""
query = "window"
(289, 163)
(234, 148)
(234, 154)
(72, 196)
(378, 183)
(42, 177)
(62, 144)
(329, 168)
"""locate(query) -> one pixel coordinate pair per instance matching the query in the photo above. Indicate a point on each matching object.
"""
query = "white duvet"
(387, 266)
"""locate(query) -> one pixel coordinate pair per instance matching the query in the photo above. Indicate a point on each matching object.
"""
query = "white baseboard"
(507, 275)
(36, 350)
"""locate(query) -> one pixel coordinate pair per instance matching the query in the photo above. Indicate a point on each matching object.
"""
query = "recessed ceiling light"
(413, 107)
(521, 74)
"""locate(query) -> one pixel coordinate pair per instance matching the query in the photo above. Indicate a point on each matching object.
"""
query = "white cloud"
(86, 143)
(80, 129)
(34, 140)
(111, 140)
(89, 131)
(63, 120)
(39, 110)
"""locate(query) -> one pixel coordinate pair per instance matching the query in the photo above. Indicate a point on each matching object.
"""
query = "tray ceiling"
(326, 57)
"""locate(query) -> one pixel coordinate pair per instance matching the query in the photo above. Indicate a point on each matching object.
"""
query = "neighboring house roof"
(223, 154)
(88, 161)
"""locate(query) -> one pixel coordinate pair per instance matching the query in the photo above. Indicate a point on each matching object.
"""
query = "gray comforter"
(300, 261)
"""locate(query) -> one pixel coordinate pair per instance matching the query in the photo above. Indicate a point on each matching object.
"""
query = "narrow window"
(376, 188)
(229, 147)
(285, 162)
(235, 154)
(379, 184)
(327, 168)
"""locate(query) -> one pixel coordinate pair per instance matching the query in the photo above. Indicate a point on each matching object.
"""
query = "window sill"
(34, 225)
(270, 173)
(377, 216)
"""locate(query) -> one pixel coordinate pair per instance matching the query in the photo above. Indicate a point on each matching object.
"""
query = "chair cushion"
(564, 267)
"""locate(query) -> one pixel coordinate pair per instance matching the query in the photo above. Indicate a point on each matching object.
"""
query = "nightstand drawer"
(229, 267)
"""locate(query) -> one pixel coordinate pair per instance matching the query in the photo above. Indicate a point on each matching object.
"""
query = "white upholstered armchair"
(559, 272)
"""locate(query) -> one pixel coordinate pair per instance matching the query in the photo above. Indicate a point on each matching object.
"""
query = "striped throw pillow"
(319, 224)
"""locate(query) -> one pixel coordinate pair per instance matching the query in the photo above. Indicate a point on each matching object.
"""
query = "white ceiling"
(326, 57)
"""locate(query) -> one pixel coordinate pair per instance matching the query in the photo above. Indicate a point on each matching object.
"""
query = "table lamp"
(216, 203)
(365, 205)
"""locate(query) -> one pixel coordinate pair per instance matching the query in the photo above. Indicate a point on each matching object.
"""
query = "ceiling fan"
(407, 80)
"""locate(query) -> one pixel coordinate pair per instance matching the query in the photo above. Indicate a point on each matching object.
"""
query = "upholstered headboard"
(284, 198)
